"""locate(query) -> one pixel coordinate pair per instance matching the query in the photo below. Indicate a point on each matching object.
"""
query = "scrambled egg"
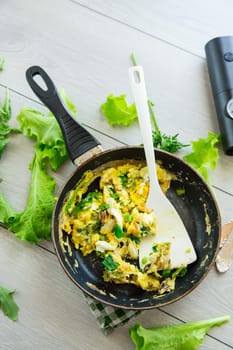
(112, 219)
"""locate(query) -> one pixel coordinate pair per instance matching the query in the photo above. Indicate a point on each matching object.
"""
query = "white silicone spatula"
(169, 226)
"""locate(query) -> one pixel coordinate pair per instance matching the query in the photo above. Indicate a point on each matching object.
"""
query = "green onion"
(134, 239)
(166, 273)
(124, 179)
(128, 218)
(118, 231)
(109, 263)
(103, 207)
(144, 260)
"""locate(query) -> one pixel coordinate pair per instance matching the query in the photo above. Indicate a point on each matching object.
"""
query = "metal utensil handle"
(78, 139)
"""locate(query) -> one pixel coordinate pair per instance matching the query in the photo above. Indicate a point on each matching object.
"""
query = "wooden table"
(85, 46)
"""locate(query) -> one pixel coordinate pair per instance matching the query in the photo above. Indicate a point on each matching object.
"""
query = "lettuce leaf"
(5, 115)
(34, 223)
(1, 63)
(47, 133)
(181, 337)
(118, 112)
(205, 154)
(7, 213)
(7, 304)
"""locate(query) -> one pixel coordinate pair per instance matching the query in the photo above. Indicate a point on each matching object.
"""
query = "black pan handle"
(78, 139)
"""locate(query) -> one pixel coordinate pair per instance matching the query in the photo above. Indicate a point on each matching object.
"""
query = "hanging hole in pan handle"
(40, 82)
(44, 88)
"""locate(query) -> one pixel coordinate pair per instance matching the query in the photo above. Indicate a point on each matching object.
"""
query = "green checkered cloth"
(108, 317)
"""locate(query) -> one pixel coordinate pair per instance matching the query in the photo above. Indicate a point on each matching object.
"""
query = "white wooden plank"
(202, 20)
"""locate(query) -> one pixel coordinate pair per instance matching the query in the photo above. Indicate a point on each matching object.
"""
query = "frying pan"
(196, 206)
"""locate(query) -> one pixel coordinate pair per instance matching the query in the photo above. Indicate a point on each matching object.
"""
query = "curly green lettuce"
(118, 112)
(5, 115)
(7, 213)
(204, 155)
(45, 130)
(175, 337)
(34, 223)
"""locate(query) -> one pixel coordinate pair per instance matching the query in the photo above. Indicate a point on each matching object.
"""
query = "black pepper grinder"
(219, 56)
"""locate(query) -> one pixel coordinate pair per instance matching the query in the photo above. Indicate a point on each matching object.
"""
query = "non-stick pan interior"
(195, 203)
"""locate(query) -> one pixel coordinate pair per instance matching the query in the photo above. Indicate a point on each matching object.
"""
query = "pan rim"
(157, 304)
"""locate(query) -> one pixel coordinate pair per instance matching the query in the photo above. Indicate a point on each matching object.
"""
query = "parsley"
(167, 143)
(109, 263)
(7, 304)
(160, 140)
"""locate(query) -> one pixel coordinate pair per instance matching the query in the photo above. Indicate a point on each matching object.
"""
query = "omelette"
(112, 219)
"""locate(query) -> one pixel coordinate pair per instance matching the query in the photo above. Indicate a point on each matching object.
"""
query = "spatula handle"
(137, 82)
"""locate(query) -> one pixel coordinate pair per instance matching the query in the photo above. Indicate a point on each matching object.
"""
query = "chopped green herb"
(124, 179)
(144, 260)
(155, 248)
(113, 193)
(109, 263)
(85, 203)
(144, 230)
(103, 207)
(118, 231)
(180, 191)
(128, 218)
(134, 238)
(166, 273)
(181, 272)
